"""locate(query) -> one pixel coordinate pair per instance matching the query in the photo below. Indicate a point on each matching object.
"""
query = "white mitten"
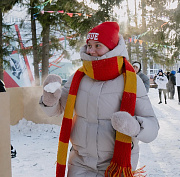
(51, 90)
(124, 123)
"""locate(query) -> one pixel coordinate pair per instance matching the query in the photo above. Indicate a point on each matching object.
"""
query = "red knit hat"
(106, 33)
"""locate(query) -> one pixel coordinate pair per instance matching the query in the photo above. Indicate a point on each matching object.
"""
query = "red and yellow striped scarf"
(103, 70)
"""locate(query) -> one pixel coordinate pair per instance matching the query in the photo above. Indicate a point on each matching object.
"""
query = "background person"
(154, 78)
(178, 85)
(145, 79)
(167, 85)
(172, 83)
(161, 81)
(110, 115)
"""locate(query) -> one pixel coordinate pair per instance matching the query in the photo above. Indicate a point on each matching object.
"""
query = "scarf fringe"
(139, 172)
(114, 170)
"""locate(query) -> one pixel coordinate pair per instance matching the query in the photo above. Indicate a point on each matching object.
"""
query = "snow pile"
(52, 87)
(25, 126)
(36, 146)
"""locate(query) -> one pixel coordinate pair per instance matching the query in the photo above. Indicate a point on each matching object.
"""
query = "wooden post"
(5, 143)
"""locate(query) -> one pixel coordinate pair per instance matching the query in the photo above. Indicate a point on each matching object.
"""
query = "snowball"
(52, 87)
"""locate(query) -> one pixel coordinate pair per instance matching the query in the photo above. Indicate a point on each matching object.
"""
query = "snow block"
(24, 103)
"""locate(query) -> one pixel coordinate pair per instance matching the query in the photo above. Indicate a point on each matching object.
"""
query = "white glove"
(124, 123)
(51, 90)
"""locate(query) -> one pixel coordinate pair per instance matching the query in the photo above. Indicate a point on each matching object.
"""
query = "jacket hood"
(139, 65)
(119, 50)
(160, 70)
(173, 72)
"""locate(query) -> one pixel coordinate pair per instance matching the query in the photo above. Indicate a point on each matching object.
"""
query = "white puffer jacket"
(93, 136)
(178, 79)
(161, 81)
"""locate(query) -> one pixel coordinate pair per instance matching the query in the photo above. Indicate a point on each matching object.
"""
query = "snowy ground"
(36, 145)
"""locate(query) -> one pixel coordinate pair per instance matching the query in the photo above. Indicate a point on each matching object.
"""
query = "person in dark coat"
(168, 90)
(3, 89)
(178, 85)
(154, 78)
(172, 83)
(137, 67)
(2, 86)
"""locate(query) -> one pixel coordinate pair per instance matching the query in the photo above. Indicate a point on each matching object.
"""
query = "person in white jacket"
(161, 81)
(178, 85)
(97, 116)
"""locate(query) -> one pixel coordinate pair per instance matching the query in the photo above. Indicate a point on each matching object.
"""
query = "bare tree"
(129, 31)
(144, 55)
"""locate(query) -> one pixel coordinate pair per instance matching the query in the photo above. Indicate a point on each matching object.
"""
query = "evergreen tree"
(76, 26)
(160, 46)
(5, 5)
(173, 31)
(55, 23)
